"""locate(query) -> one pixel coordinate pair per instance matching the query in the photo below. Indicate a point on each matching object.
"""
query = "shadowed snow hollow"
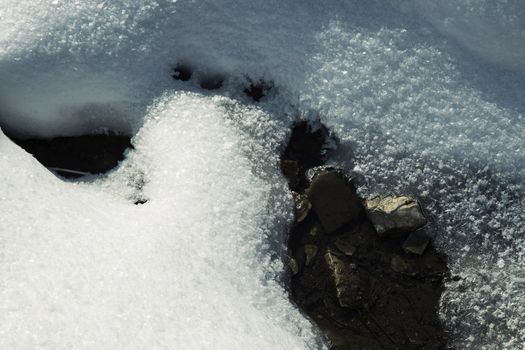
(415, 113)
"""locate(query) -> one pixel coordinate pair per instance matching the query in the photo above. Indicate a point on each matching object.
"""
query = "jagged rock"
(345, 247)
(416, 243)
(302, 206)
(347, 282)
(293, 265)
(310, 252)
(394, 216)
(334, 200)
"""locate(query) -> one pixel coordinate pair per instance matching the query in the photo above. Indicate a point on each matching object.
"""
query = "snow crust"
(426, 97)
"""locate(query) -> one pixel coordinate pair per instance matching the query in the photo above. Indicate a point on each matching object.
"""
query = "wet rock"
(302, 206)
(334, 200)
(347, 282)
(416, 242)
(379, 297)
(394, 216)
(310, 252)
(345, 247)
(315, 231)
(293, 265)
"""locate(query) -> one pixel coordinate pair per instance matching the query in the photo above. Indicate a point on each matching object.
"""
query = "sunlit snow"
(426, 97)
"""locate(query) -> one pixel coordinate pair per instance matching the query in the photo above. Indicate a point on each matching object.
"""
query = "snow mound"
(88, 269)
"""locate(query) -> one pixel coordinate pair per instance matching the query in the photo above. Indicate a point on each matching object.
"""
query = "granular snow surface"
(426, 97)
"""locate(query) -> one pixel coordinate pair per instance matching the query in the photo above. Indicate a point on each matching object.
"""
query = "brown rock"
(302, 206)
(334, 200)
(394, 216)
(345, 247)
(416, 243)
(293, 265)
(347, 282)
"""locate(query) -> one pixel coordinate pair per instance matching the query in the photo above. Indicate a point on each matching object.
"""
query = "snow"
(494, 30)
(426, 97)
(89, 269)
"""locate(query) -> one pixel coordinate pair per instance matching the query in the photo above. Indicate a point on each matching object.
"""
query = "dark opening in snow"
(212, 82)
(308, 147)
(258, 90)
(76, 156)
(182, 72)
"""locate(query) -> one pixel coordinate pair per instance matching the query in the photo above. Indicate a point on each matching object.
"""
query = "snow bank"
(415, 112)
(196, 267)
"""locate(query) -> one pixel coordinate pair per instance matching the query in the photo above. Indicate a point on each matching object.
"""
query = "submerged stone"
(416, 242)
(293, 265)
(347, 282)
(334, 200)
(315, 231)
(345, 247)
(302, 206)
(394, 216)
(310, 252)
(398, 264)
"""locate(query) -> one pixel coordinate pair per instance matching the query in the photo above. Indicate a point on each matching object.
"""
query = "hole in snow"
(212, 82)
(182, 72)
(76, 156)
(258, 89)
(308, 147)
